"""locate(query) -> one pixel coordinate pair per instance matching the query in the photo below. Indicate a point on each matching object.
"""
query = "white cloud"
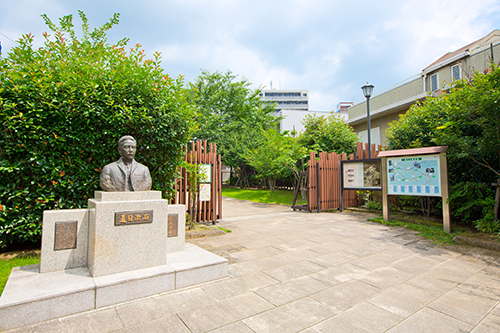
(434, 28)
(330, 48)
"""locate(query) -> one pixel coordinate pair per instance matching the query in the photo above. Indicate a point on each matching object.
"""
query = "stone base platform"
(30, 297)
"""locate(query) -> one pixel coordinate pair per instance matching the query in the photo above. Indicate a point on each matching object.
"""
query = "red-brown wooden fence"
(323, 179)
(202, 152)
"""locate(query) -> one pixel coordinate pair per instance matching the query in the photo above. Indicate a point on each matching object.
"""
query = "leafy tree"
(330, 134)
(229, 113)
(64, 106)
(466, 117)
(294, 157)
(276, 156)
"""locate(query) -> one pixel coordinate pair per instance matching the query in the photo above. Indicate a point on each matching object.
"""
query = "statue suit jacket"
(113, 177)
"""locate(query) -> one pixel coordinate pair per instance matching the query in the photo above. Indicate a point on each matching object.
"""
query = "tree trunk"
(195, 208)
(497, 197)
(425, 202)
(497, 200)
(303, 188)
(243, 176)
(272, 184)
(191, 204)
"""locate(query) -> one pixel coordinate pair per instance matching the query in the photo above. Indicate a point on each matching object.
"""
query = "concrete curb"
(464, 240)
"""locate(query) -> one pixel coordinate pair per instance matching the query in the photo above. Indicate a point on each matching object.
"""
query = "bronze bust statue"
(125, 174)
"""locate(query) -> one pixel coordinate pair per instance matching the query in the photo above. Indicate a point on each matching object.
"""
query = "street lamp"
(367, 91)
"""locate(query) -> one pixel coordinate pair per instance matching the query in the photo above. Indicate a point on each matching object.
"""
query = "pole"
(369, 127)
(341, 186)
(443, 164)
(318, 189)
(385, 190)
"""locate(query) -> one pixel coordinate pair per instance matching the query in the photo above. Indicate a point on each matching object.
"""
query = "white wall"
(293, 119)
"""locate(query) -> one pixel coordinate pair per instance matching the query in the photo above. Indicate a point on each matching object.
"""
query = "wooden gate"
(202, 153)
(323, 180)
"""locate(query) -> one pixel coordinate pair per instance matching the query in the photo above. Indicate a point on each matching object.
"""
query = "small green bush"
(487, 224)
(374, 205)
(470, 201)
(63, 108)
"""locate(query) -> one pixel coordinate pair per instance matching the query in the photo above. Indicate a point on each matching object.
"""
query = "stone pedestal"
(127, 231)
(126, 245)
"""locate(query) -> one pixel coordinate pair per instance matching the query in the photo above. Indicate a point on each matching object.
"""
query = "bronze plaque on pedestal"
(173, 225)
(139, 217)
(65, 235)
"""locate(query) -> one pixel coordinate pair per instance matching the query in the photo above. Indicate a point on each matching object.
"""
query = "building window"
(434, 82)
(374, 133)
(455, 72)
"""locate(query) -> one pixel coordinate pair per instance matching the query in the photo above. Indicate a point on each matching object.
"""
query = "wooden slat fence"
(324, 182)
(202, 152)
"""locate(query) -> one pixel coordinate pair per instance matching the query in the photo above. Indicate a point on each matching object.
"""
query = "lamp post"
(367, 91)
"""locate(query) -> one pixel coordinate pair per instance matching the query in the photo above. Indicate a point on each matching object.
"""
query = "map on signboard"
(414, 175)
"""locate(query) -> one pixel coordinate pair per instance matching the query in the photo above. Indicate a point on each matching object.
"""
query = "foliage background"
(330, 134)
(63, 108)
(277, 156)
(231, 114)
(465, 117)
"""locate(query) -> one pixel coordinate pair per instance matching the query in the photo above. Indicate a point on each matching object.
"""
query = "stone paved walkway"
(307, 272)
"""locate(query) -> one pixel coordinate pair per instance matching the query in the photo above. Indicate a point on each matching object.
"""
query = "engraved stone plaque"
(65, 235)
(173, 225)
(136, 217)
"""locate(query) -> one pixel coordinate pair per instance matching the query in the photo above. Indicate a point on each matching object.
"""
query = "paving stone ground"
(308, 272)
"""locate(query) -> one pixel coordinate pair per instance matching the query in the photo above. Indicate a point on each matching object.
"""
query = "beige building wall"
(388, 105)
(477, 60)
(382, 123)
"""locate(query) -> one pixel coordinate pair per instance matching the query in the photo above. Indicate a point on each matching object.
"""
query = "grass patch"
(281, 197)
(432, 231)
(225, 230)
(7, 265)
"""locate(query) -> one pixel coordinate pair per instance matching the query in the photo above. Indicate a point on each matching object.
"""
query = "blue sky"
(331, 48)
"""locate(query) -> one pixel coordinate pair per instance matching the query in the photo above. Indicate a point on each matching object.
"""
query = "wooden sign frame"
(443, 165)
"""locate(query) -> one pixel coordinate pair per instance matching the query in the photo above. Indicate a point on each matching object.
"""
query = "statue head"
(126, 147)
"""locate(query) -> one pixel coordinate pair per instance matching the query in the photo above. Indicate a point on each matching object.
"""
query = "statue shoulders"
(112, 165)
(140, 166)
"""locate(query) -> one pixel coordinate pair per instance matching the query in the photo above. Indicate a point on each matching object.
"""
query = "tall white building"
(287, 99)
(292, 104)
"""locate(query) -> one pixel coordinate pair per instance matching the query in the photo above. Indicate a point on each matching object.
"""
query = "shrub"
(328, 134)
(488, 224)
(64, 106)
(470, 201)
(374, 205)
(465, 118)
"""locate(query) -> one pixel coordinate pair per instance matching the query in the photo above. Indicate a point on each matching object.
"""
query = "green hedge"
(63, 108)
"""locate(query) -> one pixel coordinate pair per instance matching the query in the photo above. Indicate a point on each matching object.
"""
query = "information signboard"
(361, 174)
(205, 173)
(418, 171)
(205, 192)
(414, 175)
